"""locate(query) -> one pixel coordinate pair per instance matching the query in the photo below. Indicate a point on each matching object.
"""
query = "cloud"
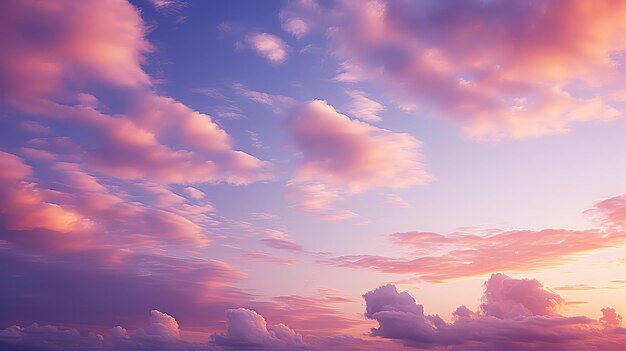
(269, 46)
(363, 107)
(342, 156)
(499, 69)
(76, 210)
(163, 324)
(610, 212)
(317, 199)
(278, 103)
(442, 258)
(396, 201)
(245, 330)
(281, 241)
(351, 154)
(194, 193)
(156, 336)
(249, 330)
(506, 297)
(27, 208)
(530, 321)
(61, 58)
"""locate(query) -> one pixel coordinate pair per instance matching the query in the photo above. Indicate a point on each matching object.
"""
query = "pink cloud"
(363, 107)
(530, 322)
(506, 297)
(194, 193)
(611, 212)
(54, 44)
(58, 59)
(163, 324)
(246, 329)
(31, 217)
(442, 258)
(342, 156)
(269, 46)
(351, 154)
(317, 199)
(499, 69)
(98, 214)
(281, 241)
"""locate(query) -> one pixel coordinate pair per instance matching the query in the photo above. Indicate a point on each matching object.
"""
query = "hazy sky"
(250, 175)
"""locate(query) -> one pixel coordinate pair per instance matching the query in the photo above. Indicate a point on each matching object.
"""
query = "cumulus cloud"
(249, 330)
(61, 56)
(529, 322)
(506, 297)
(342, 156)
(269, 46)
(610, 318)
(163, 324)
(351, 154)
(159, 335)
(245, 330)
(490, 66)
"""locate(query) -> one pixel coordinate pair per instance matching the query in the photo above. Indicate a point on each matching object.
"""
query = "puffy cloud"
(59, 60)
(27, 207)
(163, 324)
(447, 257)
(499, 68)
(351, 154)
(506, 297)
(269, 46)
(50, 337)
(54, 44)
(249, 330)
(246, 330)
(342, 156)
(530, 324)
(610, 318)
(311, 197)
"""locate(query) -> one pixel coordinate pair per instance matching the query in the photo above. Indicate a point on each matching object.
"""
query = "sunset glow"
(317, 175)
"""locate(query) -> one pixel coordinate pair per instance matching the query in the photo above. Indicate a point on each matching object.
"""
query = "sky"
(312, 175)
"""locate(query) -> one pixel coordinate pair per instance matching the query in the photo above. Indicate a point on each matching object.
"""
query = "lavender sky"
(312, 175)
